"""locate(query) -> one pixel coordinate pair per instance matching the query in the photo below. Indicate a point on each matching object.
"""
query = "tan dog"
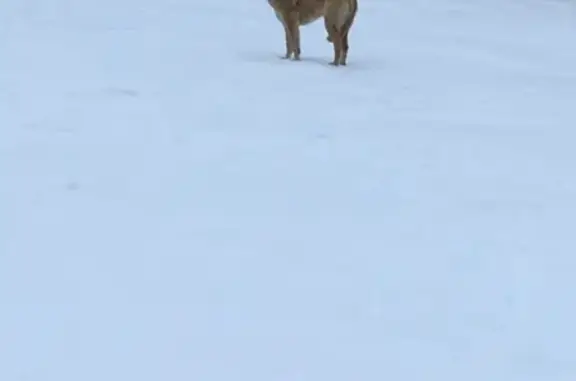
(339, 16)
(293, 14)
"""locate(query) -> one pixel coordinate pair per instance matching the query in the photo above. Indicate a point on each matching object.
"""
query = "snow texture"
(179, 203)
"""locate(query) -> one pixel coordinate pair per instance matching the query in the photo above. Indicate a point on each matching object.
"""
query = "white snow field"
(177, 203)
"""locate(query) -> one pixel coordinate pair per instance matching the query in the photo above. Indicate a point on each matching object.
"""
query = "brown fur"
(293, 14)
(339, 16)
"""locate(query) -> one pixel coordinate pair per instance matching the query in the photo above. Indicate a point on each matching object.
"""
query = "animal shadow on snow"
(272, 58)
(279, 59)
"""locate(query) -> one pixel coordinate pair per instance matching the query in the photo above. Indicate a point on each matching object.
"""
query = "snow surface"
(178, 203)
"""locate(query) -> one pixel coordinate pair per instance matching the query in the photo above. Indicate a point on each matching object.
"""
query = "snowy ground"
(178, 203)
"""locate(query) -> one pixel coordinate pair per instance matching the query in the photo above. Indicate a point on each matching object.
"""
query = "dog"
(339, 15)
(293, 14)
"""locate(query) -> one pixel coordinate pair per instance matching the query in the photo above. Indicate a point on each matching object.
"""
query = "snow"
(179, 203)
